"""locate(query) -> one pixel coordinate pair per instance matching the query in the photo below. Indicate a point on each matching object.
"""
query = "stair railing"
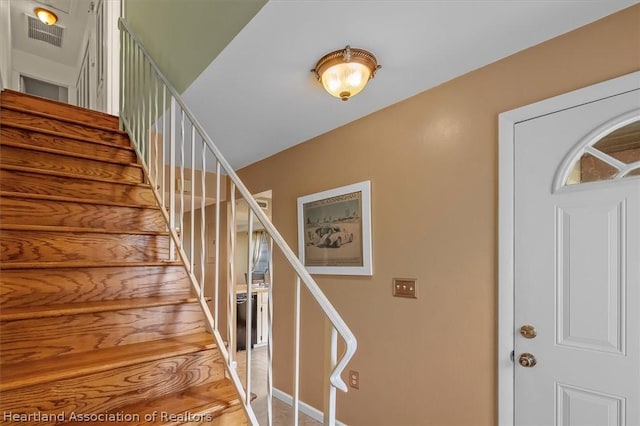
(174, 149)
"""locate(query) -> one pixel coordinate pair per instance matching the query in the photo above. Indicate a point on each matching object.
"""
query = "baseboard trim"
(304, 407)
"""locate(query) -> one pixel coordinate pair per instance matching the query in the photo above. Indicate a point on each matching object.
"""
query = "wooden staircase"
(95, 325)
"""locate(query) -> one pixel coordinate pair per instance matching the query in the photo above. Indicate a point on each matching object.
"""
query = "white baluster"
(331, 357)
(296, 353)
(172, 177)
(216, 294)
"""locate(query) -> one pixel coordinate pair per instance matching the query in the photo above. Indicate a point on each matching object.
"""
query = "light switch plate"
(405, 287)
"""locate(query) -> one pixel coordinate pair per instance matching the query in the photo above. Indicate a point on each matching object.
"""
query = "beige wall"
(432, 161)
(209, 257)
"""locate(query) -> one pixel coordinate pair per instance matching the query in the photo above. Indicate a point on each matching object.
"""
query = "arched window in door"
(615, 155)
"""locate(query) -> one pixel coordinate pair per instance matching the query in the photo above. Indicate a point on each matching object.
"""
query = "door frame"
(506, 210)
(113, 10)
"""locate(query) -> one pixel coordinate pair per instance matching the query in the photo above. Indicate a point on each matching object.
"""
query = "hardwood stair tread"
(33, 339)
(43, 287)
(66, 144)
(30, 180)
(69, 175)
(73, 365)
(38, 158)
(64, 119)
(28, 211)
(84, 264)
(67, 153)
(84, 230)
(11, 194)
(62, 126)
(44, 246)
(209, 401)
(64, 135)
(13, 97)
(109, 390)
(67, 136)
(14, 314)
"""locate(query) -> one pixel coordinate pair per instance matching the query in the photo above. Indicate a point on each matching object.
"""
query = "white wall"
(5, 46)
(45, 70)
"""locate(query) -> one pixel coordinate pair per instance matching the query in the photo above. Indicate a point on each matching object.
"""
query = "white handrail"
(132, 116)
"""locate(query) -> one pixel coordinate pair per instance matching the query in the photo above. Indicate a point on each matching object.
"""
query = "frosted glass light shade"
(344, 73)
(346, 79)
(45, 16)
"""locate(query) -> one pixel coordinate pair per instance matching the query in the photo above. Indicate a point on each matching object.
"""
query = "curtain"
(260, 256)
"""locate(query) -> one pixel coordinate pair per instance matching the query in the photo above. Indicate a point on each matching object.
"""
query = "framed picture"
(334, 230)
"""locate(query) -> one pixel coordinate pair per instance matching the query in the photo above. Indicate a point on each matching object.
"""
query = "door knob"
(528, 331)
(527, 360)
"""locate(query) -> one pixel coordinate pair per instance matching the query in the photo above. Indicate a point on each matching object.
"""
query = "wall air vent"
(51, 34)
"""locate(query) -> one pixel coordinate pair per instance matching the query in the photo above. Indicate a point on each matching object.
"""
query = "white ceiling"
(72, 16)
(258, 96)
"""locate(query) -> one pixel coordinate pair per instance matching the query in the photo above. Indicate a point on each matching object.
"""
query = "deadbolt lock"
(527, 360)
(528, 331)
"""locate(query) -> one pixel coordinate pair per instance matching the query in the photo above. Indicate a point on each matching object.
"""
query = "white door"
(577, 265)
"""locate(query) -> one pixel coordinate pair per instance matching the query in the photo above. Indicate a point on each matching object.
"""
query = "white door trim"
(113, 10)
(506, 125)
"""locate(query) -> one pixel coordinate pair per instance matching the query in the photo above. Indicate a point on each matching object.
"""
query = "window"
(614, 156)
(261, 257)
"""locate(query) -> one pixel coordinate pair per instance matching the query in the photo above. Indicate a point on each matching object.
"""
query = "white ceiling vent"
(51, 34)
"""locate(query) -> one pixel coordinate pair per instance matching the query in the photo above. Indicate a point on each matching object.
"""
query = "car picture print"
(333, 231)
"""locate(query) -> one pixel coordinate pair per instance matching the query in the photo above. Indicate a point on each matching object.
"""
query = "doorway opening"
(33, 86)
(259, 280)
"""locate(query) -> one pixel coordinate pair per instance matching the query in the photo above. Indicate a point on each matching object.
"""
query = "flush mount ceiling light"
(345, 72)
(46, 16)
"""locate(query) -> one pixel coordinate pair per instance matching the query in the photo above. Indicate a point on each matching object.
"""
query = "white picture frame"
(334, 231)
